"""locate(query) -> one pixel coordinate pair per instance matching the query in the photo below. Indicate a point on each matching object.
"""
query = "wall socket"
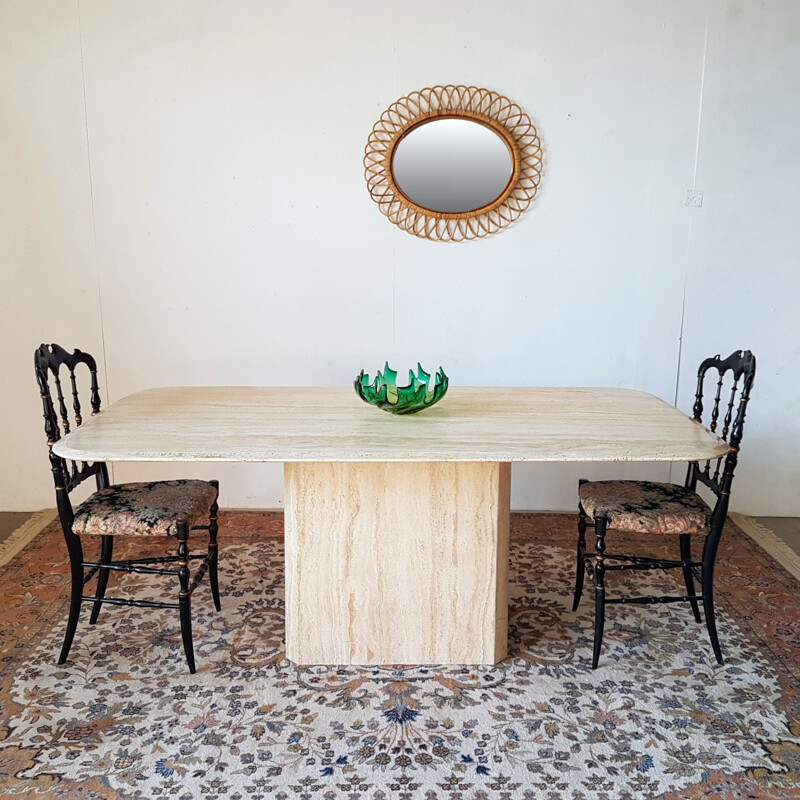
(694, 198)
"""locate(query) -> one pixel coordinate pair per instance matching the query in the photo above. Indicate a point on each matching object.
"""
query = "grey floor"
(788, 528)
(10, 521)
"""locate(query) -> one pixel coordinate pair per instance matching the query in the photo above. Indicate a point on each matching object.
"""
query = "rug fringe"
(770, 541)
(26, 532)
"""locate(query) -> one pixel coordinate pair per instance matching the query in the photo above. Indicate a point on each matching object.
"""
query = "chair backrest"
(726, 418)
(48, 361)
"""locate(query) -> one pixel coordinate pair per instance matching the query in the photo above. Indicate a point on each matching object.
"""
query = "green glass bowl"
(386, 394)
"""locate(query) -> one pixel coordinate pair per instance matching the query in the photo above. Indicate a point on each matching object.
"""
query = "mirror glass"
(452, 165)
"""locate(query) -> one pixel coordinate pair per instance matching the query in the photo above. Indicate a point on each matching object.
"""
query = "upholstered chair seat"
(645, 506)
(144, 509)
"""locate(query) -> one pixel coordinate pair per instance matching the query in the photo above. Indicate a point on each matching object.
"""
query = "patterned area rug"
(658, 719)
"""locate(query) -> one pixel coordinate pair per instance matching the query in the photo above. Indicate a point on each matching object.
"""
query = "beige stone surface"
(397, 562)
(333, 424)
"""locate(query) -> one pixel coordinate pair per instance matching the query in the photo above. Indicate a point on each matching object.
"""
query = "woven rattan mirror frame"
(495, 111)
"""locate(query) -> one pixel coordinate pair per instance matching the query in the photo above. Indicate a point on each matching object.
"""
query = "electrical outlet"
(694, 198)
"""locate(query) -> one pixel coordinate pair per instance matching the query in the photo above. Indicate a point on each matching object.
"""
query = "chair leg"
(686, 557)
(185, 598)
(709, 559)
(580, 567)
(75, 550)
(106, 553)
(600, 525)
(213, 550)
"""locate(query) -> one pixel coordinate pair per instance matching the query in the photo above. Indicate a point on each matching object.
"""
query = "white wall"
(184, 196)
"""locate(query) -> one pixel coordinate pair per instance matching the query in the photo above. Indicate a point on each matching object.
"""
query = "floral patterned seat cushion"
(145, 509)
(645, 507)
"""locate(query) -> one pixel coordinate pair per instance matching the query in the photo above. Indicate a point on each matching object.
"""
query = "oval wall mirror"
(453, 163)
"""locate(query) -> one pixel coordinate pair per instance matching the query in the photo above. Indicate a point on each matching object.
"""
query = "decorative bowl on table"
(384, 392)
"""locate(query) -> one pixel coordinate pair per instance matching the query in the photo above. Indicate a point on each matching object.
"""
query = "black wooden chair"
(653, 509)
(162, 508)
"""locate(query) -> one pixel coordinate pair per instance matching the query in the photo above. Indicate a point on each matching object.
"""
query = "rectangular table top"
(282, 424)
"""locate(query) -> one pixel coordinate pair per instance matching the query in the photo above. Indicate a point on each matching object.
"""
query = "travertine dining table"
(396, 527)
